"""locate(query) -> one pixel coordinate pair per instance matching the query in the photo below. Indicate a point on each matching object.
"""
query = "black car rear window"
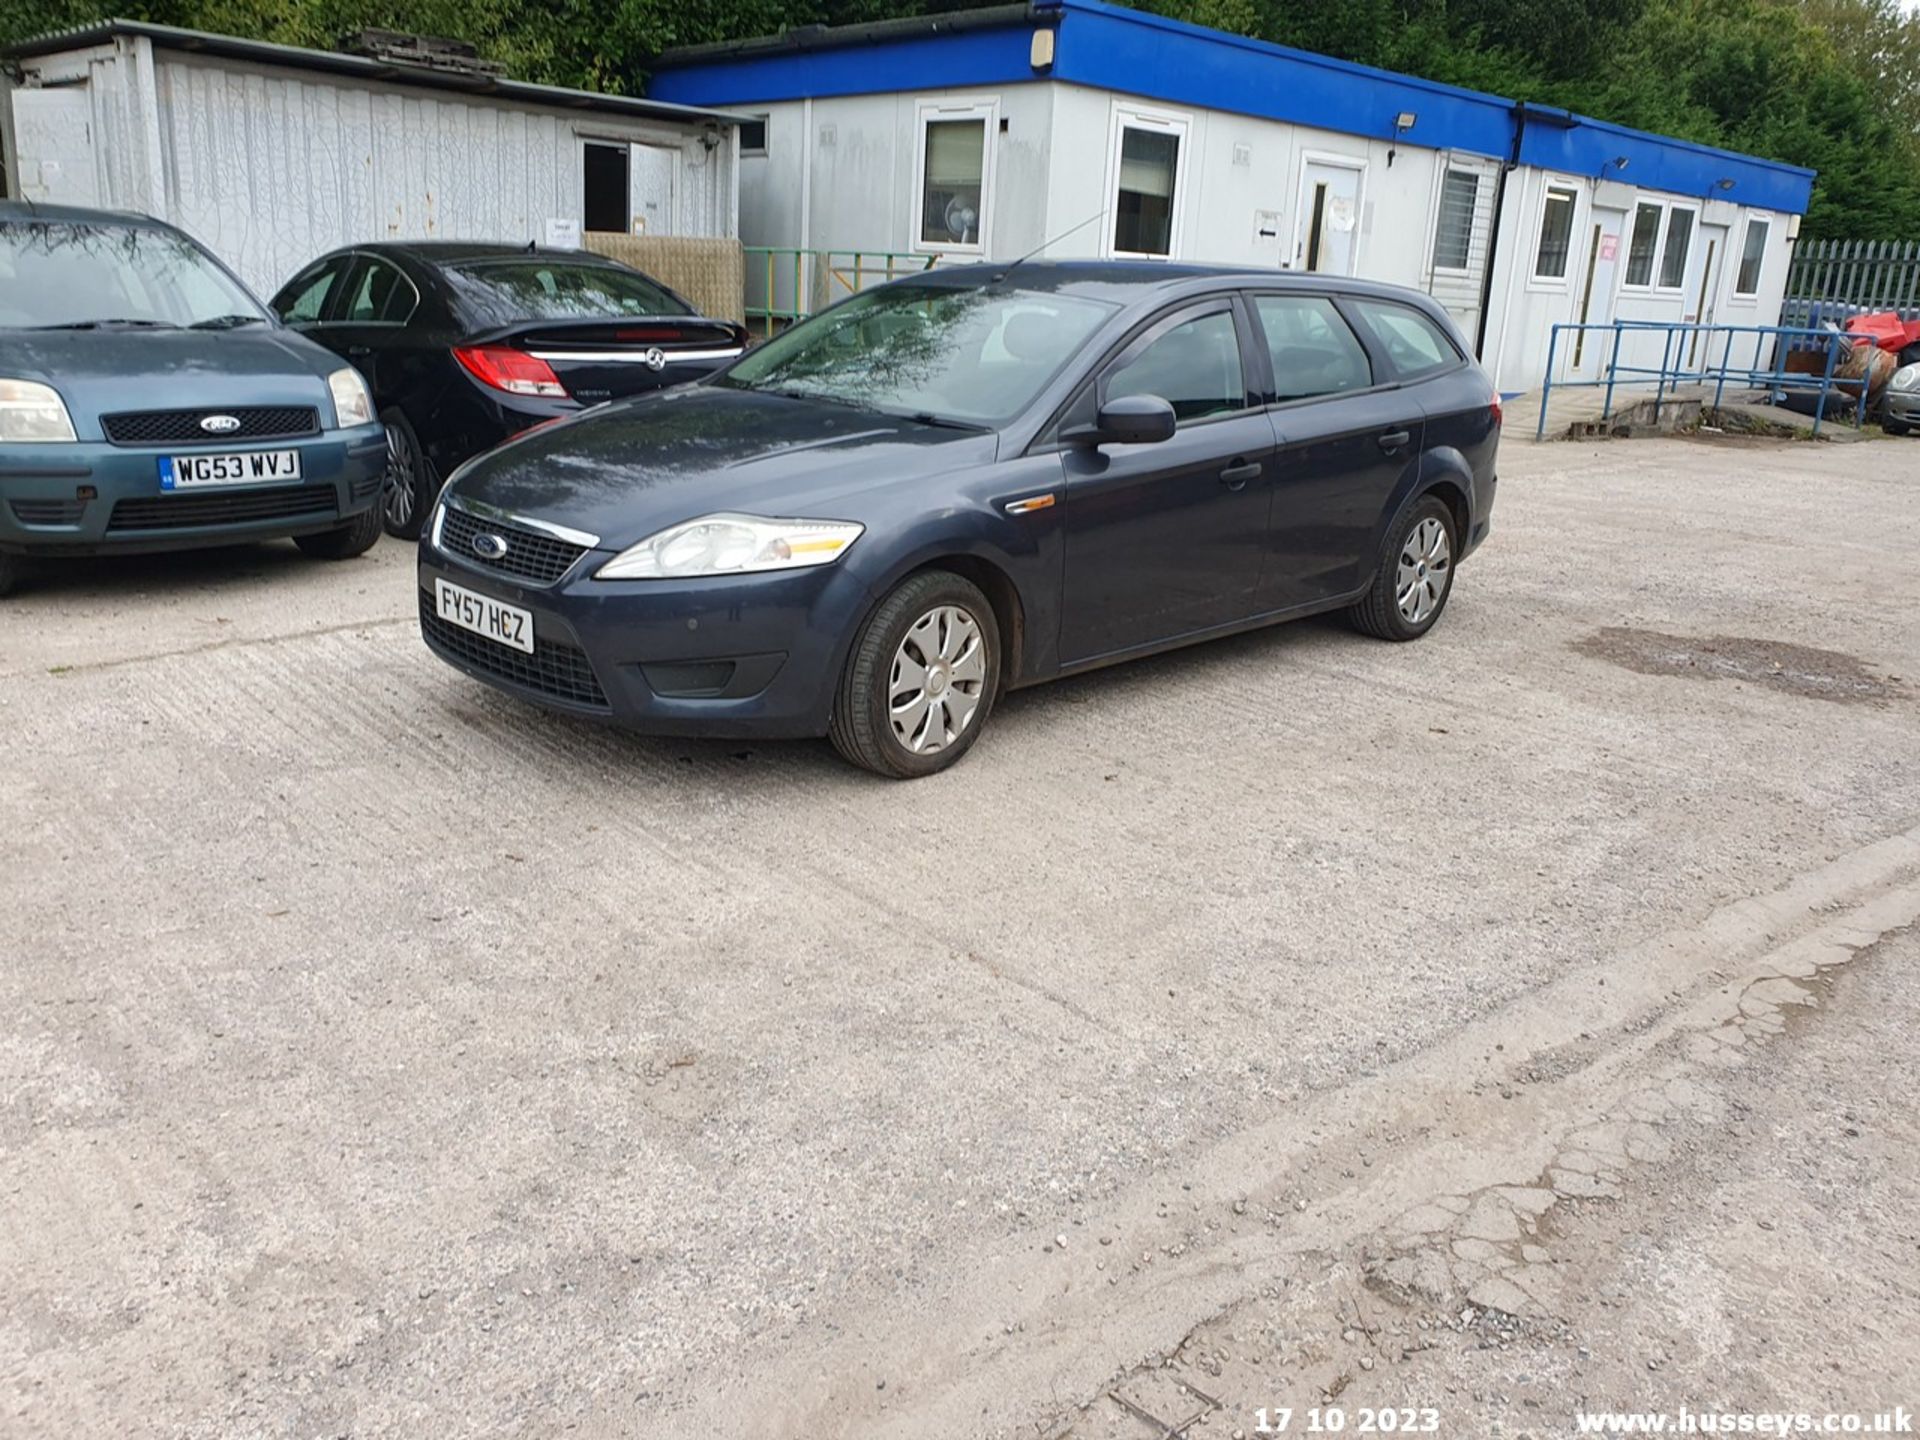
(505, 292)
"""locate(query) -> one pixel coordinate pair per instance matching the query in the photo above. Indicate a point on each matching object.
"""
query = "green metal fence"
(1855, 275)
(785, 285)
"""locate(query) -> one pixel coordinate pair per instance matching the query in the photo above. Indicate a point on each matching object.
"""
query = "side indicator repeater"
(1030, 504)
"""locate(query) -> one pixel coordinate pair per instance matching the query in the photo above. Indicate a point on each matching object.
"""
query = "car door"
(1344, 436)
(1166, 539)
(368, 324)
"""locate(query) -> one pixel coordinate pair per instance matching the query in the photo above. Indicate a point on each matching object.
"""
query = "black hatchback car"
(465, 345)
(976, 479)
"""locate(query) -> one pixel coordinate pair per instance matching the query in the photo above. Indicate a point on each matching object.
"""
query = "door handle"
(1236, 475)
(1394, 439)
(357, 351)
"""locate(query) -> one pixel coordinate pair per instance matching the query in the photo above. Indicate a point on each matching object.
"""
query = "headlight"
(30, 411)
(1907, 377)
(732, 545)
(352, 405)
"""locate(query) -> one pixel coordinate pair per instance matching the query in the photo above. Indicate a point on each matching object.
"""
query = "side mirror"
(1128, 420)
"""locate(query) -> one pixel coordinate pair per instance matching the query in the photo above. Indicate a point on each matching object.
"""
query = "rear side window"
(1194, 367)
(1414, 342)
(1314, 350)
(381, 295)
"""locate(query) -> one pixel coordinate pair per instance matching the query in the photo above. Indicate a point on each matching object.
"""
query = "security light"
(1404, 120)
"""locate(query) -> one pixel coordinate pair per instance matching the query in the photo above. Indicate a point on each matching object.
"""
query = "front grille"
(554, 669)
(182, 427)
(531, 556)
(175, 512)
(47, 512)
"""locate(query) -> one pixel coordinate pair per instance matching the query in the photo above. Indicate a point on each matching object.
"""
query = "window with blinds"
(954, 157)
(1556, 234)
(1453, 228)
(1143, 205)
(1645, 241)
(1753, 254)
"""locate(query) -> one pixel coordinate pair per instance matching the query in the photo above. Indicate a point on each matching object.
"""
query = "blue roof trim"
(929, 62)
(1107, 47)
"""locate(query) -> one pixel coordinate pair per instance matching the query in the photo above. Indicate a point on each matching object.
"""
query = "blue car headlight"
(352, 405)
(729, 544)
(32, 413)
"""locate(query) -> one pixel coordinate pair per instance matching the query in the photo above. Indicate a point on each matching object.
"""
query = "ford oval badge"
(489, 546)
(219, 424)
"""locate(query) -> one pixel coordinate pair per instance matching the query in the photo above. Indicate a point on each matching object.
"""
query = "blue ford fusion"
(149, 402)
(881, 520)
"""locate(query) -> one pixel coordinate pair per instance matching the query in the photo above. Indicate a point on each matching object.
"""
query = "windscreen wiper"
(226, 322)
(112, 323)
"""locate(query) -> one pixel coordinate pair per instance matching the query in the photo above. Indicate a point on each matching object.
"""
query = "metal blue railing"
(1690, 362)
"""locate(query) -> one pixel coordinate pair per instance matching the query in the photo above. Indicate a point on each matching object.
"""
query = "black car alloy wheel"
(404, 499)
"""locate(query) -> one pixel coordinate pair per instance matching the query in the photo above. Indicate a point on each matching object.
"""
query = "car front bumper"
(95, 498)
(740, 656)
(1902, 405)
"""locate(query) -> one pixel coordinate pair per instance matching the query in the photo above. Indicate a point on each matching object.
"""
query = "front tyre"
(921, 679)
(10, 567)
(356, 537)
(1415, 574)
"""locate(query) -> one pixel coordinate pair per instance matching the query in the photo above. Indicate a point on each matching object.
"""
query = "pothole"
(1799, 669)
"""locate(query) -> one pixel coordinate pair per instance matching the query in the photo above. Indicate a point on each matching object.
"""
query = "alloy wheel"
(938, 680)
(399, 483)
(1426, 557)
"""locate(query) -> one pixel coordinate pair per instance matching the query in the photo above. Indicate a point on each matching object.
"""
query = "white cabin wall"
(270, 166)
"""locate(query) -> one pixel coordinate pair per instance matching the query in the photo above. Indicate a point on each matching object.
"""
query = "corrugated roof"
(366, 68)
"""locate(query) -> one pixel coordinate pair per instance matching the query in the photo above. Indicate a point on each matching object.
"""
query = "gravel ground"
(381, 1056)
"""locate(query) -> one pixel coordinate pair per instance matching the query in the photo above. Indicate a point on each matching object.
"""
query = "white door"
(652, 171)
(1606, 235)
(53, 137)
(1703, 288)
(1326, 233)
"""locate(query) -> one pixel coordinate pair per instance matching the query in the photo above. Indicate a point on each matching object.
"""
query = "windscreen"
(73, 275)
(975, 355)
(510, 292)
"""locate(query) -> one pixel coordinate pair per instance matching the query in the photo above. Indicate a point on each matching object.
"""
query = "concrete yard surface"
(382, 1056)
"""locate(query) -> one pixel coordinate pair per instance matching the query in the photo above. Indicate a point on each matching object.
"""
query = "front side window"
(1414, 342)
(973, 355)
(1556, 234)
(1453, 227)
(304, 300)
(60, 274)
(1753, 254)
(381, 295)
(1144, 193)
(1673, 250)
(1194, 367)
(953, 161)
(1645, 242)
(1314, 350)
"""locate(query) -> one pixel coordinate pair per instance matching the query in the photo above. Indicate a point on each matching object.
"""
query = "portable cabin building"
(1094, 130)
(270, 155)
